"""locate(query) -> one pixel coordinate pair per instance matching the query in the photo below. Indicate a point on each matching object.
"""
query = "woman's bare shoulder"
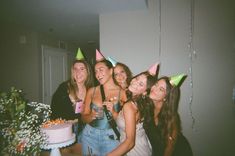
(130, 106)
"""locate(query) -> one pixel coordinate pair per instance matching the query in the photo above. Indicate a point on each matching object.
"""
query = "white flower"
(21, 133)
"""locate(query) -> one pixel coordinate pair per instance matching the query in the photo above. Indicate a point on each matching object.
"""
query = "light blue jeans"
(77, 129)
(98, 142)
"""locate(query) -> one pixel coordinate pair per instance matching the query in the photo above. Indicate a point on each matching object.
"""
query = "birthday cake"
(57, 131)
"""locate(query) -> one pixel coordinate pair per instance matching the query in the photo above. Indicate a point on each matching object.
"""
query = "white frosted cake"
(57, 131)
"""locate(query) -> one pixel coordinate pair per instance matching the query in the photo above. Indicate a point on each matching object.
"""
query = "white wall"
(133, 38)
(127, 36)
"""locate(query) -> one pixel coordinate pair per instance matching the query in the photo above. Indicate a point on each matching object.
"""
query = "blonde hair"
(72, 85)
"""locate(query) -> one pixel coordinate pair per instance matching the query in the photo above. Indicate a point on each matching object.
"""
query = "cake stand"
(55, 146)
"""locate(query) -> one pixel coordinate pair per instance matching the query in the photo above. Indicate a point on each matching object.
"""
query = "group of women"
(144, 108)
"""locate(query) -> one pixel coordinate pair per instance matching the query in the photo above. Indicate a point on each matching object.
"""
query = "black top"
(182, 146)
(61, 105)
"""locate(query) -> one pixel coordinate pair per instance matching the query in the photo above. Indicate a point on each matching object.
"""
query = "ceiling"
(76, 21)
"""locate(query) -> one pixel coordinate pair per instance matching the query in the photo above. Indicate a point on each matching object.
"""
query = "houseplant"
(20, 123)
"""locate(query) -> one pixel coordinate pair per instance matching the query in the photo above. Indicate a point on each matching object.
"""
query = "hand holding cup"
(99, 113)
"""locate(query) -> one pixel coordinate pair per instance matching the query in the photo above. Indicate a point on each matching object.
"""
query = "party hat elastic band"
(112, 61)
(99, 56)
(153, 69)
(79, 55)
(177, 79)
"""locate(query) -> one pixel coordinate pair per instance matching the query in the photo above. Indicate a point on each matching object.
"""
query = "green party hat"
(177, 79)
(79, 55)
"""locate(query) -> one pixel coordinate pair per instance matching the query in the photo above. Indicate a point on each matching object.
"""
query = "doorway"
(54, 70)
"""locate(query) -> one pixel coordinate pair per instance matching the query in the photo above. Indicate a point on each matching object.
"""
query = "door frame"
(43, 47)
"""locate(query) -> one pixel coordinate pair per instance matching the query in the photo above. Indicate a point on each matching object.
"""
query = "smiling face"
(158, 91)
(102, 72)
(120, 75)
(79, 72)
(138, 85)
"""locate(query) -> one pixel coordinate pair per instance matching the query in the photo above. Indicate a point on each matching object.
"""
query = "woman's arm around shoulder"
(60, 100)
(129, 113)
(170, 142)
(123, 97)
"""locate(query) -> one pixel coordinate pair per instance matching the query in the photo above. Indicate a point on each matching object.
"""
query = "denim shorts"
(77, 129)
(98, 142)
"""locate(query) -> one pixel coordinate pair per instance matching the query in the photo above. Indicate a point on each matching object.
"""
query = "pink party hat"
(79, 55)
(99, 56)
(153, 70)
(112, 61)
(177, 79)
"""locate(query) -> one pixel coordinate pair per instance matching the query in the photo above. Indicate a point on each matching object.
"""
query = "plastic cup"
(100, 113)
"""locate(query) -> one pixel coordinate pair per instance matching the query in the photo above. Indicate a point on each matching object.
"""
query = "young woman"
(70, 92)
(122, 75)
(98, 137)
(163, 125)
(134, 141)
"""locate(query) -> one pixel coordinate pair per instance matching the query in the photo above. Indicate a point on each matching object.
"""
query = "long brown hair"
(142, 100)
(72, 85)
(168, 117)
(128, 73)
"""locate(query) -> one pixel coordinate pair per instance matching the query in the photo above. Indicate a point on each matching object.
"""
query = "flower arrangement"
(20, 123)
